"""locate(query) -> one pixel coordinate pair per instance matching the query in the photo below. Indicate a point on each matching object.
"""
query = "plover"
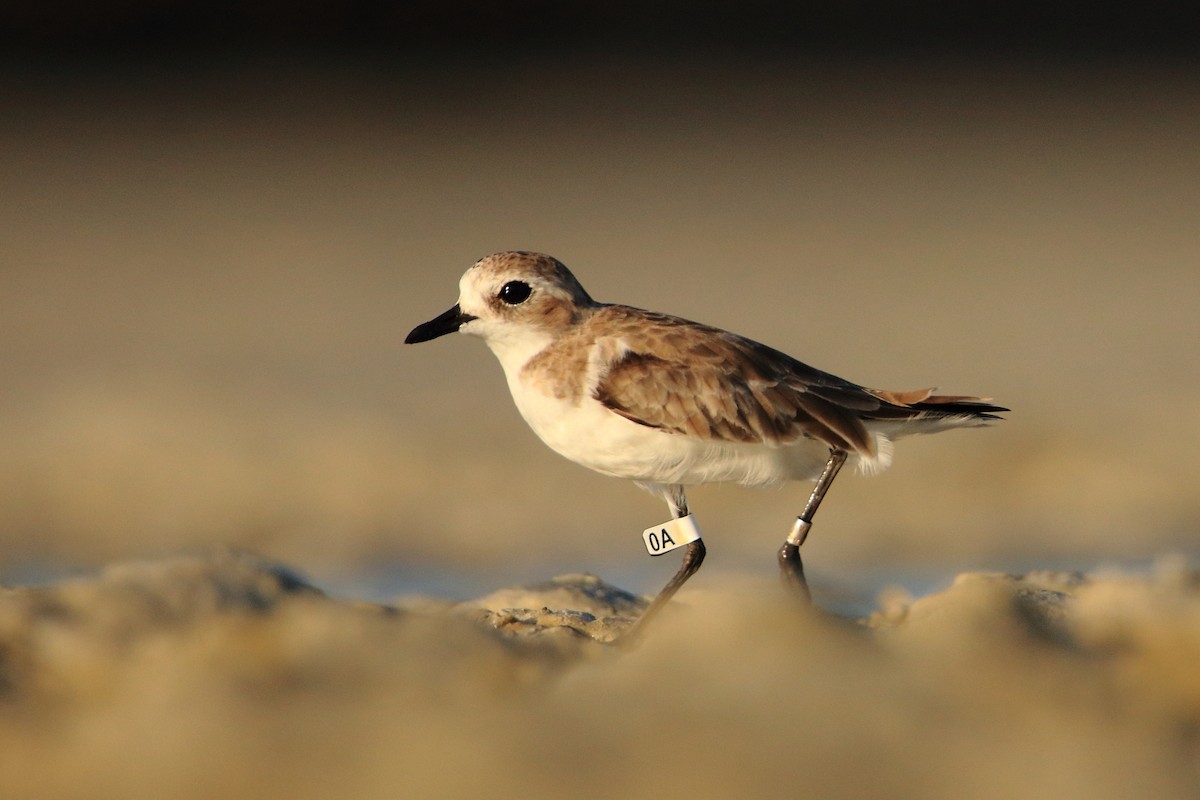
(668, 403)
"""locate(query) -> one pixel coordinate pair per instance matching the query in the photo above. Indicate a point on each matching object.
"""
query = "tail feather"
(924, 403)
(979, 407)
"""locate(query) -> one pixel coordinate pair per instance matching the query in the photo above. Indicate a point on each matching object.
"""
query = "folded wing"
(699, 381)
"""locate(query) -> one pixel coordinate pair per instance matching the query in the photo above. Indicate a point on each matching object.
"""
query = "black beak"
(440, 325)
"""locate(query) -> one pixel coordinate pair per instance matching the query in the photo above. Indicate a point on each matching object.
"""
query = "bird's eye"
(515, 292)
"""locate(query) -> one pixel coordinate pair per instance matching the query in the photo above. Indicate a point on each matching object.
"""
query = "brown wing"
(692, 379)
(681, 376)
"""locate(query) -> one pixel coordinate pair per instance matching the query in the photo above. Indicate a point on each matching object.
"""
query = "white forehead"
(468, 285)
(479, 285)
(482, 280)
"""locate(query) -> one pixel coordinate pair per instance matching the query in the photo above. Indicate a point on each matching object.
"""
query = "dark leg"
(693, 557)
(790, 566)
(791, 569)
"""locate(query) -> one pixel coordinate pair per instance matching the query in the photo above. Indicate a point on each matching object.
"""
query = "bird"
(669, 403)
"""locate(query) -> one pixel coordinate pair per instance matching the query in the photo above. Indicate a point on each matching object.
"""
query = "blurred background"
(218, 222)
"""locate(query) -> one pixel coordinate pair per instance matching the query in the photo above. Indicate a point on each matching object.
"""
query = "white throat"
(513, 345)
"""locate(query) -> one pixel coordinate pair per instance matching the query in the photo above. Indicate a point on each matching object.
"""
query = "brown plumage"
(711, 384)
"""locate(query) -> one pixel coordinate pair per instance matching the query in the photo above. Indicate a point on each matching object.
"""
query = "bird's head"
(509, 298)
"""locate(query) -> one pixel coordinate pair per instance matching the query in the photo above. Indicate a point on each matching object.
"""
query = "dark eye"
(515, 292)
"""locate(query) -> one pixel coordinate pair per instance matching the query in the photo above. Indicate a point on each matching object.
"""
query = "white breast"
(586, 432)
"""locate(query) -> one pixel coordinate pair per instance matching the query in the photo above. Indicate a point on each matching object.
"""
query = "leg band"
(799, 532)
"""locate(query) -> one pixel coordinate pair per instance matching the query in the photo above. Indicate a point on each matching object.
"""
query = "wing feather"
(669, 373)
(700, 381)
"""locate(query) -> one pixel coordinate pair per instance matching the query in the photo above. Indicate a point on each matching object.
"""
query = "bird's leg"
(790, 566)
(693, 556)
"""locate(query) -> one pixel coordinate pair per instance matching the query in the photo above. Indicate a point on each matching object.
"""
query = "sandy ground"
(207, 275)
(225, 675)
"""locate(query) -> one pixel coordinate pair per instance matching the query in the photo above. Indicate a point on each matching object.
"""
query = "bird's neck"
(514, 349)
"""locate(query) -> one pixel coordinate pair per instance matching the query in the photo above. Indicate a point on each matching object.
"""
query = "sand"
(227, 675)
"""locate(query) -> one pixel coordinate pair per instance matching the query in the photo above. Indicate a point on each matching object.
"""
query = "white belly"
(584, 431)
(589, 434)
